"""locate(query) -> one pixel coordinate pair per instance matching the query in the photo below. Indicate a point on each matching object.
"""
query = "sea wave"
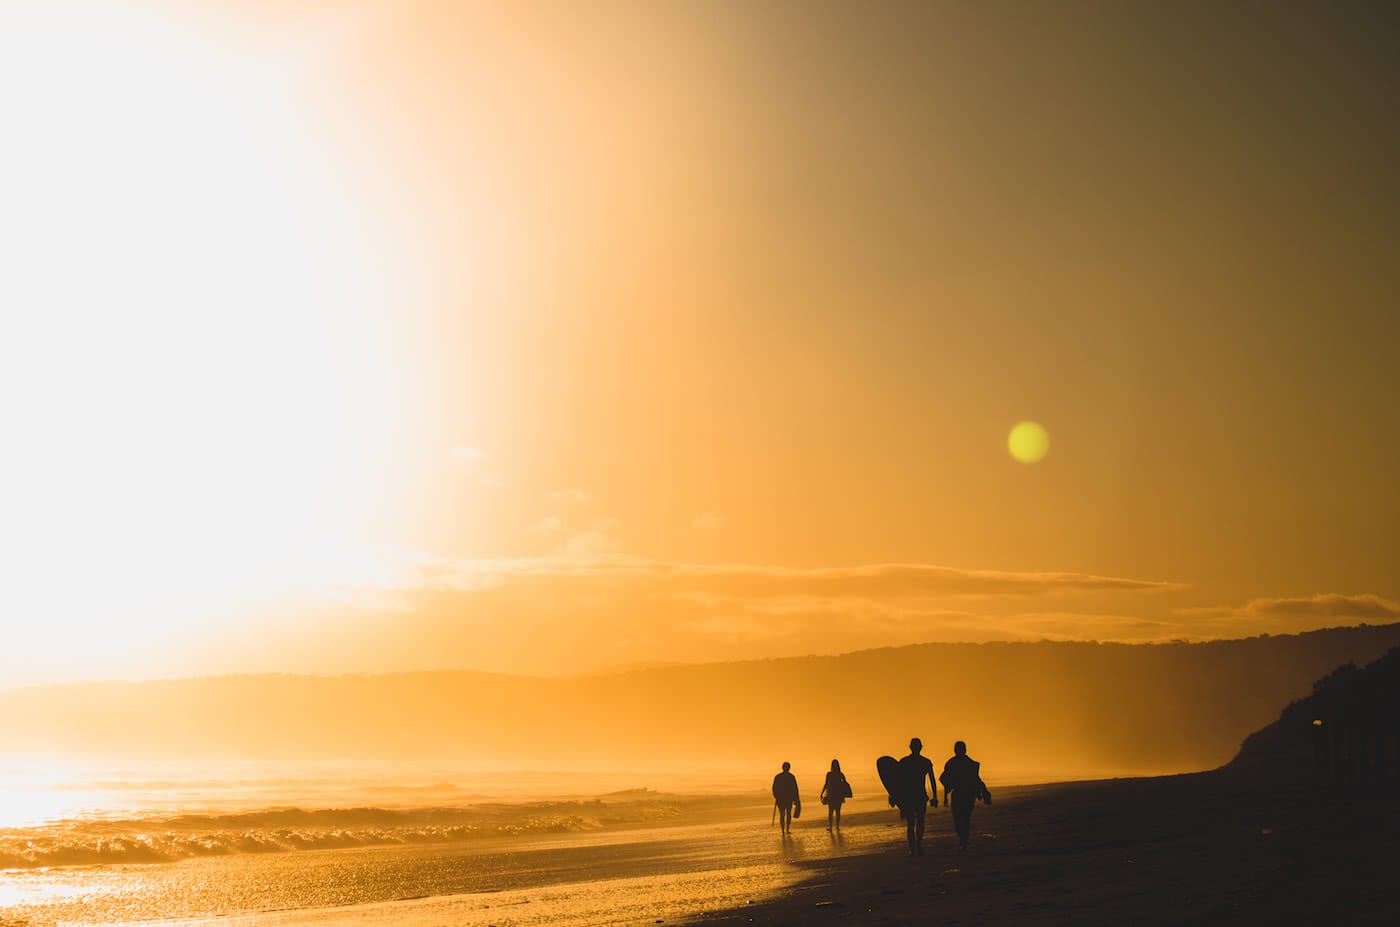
(160, 839)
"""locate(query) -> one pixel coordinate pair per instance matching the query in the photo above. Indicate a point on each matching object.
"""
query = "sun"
(193, 386)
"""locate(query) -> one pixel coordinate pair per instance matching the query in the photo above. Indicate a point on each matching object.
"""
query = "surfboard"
(888, 768)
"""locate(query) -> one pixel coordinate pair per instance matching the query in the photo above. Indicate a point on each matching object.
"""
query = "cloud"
(549, 525)
(1081, 626)
(594, 559)
(576, 496)
(588, 546)
(587, 603)
(473, 457)
(885, 620)
(1325, 606)
(596, 554)
(466, 455)
(735, 628)
(586, 594)
(707, 521)
(845, 625)
(887, 580)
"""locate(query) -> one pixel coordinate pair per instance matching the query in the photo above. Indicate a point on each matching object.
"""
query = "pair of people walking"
(962, 787)
(787, 802)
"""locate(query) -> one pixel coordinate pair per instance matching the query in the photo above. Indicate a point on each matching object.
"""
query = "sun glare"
(1028, 442)
(192, 374)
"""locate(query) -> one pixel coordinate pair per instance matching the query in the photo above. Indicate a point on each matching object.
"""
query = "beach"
(610, 860)
(1209, 848)
(1201, 848)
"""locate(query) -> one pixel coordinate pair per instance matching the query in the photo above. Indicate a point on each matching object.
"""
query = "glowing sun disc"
(1028, 442)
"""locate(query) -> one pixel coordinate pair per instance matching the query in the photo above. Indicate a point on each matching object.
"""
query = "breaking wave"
(279, 830)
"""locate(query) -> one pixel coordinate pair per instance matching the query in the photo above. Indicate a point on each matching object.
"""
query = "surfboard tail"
(887, 767)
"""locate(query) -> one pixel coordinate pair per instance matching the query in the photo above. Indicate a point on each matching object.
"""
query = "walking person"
(834, 792)
(786, 798)
(962, 786)
(913, 801)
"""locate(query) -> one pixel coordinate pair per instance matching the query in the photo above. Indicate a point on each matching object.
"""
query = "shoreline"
(1197, 848)
(1210, 847)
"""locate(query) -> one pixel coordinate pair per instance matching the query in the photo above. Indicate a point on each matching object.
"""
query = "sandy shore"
(1196, 849)
(626, 876)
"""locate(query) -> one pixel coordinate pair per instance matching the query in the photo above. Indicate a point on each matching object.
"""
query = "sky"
(547, 338)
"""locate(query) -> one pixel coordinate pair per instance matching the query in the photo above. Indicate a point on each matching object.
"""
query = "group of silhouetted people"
(962, 789)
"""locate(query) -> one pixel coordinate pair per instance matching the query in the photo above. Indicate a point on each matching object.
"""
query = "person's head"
(786, 767)
(835, 765)
(915, 746)
(960, 748)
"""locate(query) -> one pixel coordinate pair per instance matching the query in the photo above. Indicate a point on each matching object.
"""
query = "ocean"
(330, 842)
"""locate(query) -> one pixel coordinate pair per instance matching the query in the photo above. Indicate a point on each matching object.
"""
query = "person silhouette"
(913, 801)
(834, 792)
(785, 796)
(962, 786)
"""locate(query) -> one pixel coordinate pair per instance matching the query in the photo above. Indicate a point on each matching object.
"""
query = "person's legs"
(838, 817)
(962, 820)
(909, 831)
(830, 815)
(785, 818)
(919, 833)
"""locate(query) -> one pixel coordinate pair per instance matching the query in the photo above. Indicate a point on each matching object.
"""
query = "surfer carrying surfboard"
(910, 796)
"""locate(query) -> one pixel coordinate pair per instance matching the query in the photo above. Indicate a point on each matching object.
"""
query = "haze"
(382, 337)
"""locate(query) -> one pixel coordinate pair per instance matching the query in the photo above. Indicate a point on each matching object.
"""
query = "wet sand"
(633, 875)
(674, 875)
(1197, 849)
(1211, 848)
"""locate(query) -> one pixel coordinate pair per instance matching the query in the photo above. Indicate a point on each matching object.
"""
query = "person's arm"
(934, 783)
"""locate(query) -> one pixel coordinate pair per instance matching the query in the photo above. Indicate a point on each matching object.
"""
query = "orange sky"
(536, 339)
